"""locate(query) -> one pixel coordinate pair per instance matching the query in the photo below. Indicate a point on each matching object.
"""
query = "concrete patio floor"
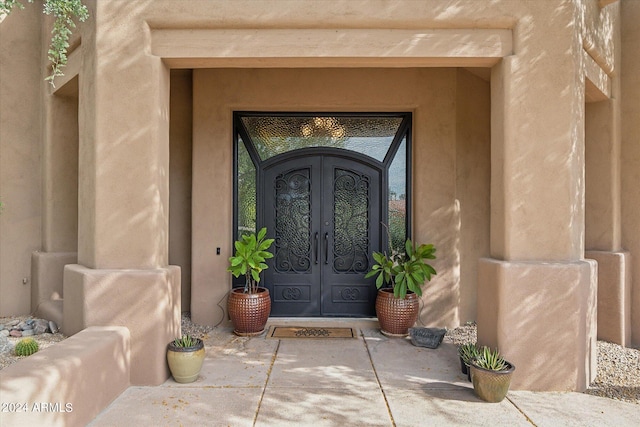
(371, 380)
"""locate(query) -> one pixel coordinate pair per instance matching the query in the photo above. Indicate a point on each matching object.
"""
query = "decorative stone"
(1, 327)
(6, 346)
(27, 332)
(4, 332)
(22, 325)
(53, 327)
(40, 326)
(13, 322)
(426, 337)
(15, 333)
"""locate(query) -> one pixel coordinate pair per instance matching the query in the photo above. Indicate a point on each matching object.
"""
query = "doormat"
(310, 332)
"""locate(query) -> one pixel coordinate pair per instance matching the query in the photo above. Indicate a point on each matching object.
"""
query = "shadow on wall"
(546, 319)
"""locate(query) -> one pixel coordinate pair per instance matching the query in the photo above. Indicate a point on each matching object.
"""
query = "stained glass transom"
(273, 135)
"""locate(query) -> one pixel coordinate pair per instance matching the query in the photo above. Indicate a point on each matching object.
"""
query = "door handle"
(326, 248)
(315, 238)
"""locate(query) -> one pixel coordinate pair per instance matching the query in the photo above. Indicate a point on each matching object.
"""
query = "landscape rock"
(427, 337)
(40, 326)
(15, 333)
(6, 346)
(22, 326)
(27, 333)
(53, 327)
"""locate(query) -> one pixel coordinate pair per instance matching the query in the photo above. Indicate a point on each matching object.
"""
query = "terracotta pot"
(396, 315)
(491, 386)
(249, 312)
(185, 362)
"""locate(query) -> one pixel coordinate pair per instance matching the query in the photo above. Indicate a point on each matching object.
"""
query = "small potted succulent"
(491, 375)
(185, 356)
(467, 353)
(249, 307)
(404, 272)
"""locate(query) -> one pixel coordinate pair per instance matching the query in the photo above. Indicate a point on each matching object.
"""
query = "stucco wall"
(20, 148)
(473, 181)
(180, 144)
(60, 170)
(630, 76)
(217, 93)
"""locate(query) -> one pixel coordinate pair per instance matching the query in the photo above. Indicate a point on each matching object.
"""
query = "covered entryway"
(236, 137)
(326, 186)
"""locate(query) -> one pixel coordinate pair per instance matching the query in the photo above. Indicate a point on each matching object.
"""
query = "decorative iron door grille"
(324, 212)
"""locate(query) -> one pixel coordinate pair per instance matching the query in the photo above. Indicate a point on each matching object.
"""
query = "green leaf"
(255, 275)
(262, 233)
(379, 280)
(371, 272)
(408, 247)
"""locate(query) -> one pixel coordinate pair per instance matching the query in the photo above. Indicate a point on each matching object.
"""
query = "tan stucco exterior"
(630, 155)
(525, 160)
(439, 175)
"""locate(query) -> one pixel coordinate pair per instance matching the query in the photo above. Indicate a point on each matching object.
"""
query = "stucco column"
(59, 199)
(536, 294)
(20, 177)
(630, 152)
(603, 235)
(122, 277)
(603, 221)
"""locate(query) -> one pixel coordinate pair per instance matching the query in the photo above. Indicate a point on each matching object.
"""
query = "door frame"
(404, 132)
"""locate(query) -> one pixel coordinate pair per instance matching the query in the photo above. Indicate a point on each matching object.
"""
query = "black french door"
(323, 210)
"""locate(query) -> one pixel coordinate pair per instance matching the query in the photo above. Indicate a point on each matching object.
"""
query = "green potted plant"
(404, 273)
(249, 307)
(491, 375)
(185, 356)
(467, 353)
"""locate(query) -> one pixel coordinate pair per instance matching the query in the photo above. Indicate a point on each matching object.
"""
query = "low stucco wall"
(69, 383)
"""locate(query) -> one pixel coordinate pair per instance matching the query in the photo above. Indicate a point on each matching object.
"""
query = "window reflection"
(398, 197)
(246, 191)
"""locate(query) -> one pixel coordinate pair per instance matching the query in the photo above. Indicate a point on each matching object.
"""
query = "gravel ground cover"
(7, 357)
(618, 367)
